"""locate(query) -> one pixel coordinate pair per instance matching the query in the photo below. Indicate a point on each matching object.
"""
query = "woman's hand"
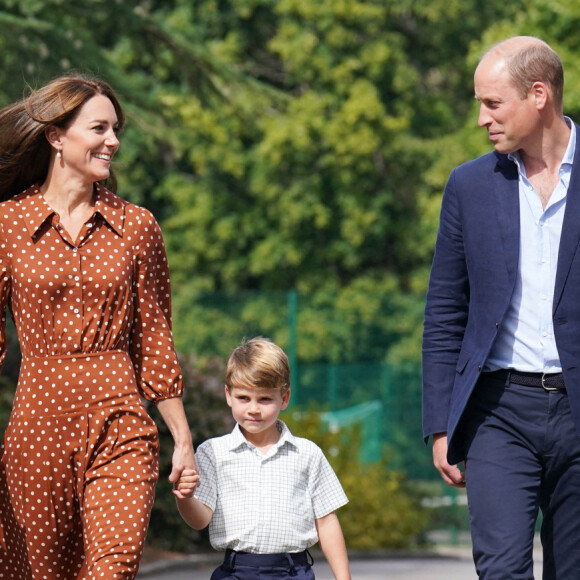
(185, 486)
(183, 456)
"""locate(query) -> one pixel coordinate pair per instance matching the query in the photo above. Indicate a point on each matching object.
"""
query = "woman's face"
(89, 143)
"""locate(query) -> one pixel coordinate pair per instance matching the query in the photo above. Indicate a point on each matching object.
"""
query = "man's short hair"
(258, 363)
(536, 61)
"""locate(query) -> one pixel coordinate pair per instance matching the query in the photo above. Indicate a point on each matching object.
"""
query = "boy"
(266, 495)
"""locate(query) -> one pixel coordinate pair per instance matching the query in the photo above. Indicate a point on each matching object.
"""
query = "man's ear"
(541, 94)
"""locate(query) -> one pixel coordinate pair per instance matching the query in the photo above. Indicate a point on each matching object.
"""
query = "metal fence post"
(292, 302)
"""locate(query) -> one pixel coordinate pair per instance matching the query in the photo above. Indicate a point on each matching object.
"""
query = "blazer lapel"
(507, 203)
(570, 227)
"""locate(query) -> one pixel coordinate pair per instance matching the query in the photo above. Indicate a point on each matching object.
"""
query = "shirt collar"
(238, 440)
(571, 149)
(568, 158)
(35, 210)
(111, 207)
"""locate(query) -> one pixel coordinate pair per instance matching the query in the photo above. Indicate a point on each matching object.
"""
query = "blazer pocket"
(462, 362)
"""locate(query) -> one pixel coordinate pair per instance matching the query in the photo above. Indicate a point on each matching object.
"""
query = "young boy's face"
(256, 410)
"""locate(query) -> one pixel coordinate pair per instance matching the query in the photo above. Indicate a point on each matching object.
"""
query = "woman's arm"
(332, 544)
(173, 414)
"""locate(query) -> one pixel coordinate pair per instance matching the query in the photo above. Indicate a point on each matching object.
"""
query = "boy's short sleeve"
(206, 490)
(326, 491)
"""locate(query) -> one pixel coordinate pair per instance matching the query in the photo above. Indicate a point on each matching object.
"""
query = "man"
(501, 345)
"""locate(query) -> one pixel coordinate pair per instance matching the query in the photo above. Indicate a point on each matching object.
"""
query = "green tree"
(323, 191)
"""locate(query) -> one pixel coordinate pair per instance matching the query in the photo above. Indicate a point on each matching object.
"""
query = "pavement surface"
(451, 564)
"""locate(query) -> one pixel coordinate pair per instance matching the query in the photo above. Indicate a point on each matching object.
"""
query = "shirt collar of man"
(35, 211)
(568, 158)
(238, 440)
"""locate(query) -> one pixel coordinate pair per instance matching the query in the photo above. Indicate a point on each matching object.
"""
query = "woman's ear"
(53, 136)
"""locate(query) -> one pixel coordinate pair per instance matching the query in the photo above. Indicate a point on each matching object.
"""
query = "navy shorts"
(245, 566)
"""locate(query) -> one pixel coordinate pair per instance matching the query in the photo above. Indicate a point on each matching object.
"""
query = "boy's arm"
(332, 544)
(195, 513)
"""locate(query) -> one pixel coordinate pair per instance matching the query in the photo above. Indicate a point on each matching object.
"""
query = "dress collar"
(35, 210)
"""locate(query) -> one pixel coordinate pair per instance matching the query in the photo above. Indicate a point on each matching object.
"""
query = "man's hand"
(451, 474)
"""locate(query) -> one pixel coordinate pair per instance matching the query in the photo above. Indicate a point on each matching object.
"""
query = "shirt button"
(76, 310)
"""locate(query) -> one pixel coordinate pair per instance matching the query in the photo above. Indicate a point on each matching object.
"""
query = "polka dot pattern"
(78, 466)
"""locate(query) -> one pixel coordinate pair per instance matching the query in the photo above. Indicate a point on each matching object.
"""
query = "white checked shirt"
(265, 503)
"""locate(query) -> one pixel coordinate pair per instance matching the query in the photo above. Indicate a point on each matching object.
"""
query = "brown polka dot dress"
(79, 463)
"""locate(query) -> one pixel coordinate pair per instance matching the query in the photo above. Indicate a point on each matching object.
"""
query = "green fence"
(384, 399)
(336, 349)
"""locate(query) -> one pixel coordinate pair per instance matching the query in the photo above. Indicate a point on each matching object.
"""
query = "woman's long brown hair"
(24, 150)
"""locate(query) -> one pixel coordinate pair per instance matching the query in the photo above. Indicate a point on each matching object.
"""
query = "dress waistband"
(78, 355)
(55, 385)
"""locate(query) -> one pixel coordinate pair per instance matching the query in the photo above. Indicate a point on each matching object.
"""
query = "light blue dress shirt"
(526, 339)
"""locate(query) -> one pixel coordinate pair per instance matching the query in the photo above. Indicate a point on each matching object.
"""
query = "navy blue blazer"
(472, 280)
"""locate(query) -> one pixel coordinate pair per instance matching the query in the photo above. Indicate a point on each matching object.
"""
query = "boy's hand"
(184, 487)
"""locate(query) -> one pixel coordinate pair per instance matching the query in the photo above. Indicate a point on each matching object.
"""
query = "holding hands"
(184, 487)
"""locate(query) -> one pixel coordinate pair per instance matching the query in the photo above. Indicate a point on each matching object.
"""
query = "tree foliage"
(383, 511)
(287, 145)
(283, 145)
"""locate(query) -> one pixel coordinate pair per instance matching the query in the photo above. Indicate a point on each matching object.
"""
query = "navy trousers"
(245, 566)
(522, 456)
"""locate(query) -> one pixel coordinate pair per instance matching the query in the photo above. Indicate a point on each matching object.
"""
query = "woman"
(85, 276)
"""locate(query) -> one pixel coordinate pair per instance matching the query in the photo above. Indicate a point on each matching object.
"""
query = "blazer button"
(478, 367)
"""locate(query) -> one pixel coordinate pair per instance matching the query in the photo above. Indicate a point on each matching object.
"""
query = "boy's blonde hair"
(258, 363)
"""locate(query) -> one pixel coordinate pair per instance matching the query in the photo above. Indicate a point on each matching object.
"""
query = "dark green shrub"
(383, 511)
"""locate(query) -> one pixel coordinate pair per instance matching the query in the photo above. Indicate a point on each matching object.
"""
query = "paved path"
(391, 569)
(453, 567)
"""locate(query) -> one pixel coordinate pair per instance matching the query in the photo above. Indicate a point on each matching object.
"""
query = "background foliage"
(285, 145)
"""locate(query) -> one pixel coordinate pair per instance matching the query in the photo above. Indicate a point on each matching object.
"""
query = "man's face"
(510, 120)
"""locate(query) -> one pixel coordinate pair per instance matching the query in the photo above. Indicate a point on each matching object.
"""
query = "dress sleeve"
(5, 289)
(152, 349)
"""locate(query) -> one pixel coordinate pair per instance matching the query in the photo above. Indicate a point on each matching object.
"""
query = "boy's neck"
(264, 440)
